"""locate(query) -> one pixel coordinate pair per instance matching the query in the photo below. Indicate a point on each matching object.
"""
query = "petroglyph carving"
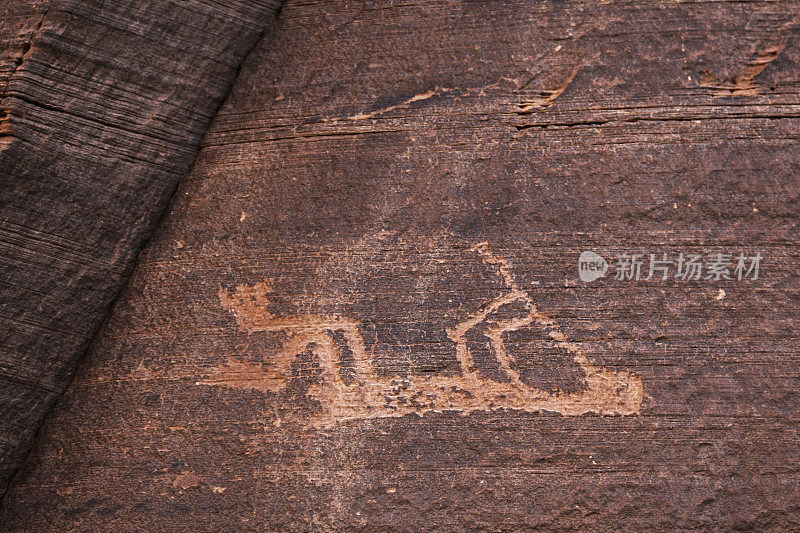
(366, 395)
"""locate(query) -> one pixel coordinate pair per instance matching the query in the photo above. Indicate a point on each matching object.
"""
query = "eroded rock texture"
(102, 104)
(363, 310)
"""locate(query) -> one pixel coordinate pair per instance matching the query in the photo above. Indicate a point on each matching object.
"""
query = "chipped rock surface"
(362, 311)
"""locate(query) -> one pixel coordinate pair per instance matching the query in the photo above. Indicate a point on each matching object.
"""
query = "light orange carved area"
(368, 396)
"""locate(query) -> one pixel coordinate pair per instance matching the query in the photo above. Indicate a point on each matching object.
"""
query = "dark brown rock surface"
(363, 310)
(102, 104)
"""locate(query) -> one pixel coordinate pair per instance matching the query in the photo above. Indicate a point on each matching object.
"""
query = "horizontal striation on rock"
(102, 105)
(363, 313)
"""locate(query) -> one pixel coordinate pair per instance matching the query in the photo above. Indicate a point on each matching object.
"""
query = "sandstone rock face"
(363, 309)
(102, 104)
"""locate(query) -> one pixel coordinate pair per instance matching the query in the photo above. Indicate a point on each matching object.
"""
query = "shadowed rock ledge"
(102, 104)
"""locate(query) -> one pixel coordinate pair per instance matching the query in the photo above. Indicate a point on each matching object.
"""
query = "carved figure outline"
(367, 395)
